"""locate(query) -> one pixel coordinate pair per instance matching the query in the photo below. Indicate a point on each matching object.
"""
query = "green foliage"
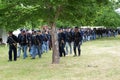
(107, 17)
(16, 13)
(115, 3)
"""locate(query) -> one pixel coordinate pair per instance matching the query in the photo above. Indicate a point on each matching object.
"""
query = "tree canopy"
(16, 13)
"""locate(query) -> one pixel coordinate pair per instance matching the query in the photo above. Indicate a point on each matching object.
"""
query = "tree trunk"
(55, 48)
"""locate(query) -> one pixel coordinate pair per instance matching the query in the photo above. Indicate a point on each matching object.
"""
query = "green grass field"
(100, 60)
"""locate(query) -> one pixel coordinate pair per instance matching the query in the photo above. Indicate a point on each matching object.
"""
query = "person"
(46, 41)
(28, 34)
(19, 46)
(39, 39)
(1, 40)
(23, 42)
(34, 43)
(68, 45)
(77, 41)
(12, 41)
(61, 40)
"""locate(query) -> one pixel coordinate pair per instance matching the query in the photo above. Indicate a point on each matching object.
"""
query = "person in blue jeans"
(68, 43)
(33, 48)
(39, 39)
(19, 46)
(46, 41)
(23, 43)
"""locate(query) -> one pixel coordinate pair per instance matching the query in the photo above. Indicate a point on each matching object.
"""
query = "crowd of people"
(38, 42)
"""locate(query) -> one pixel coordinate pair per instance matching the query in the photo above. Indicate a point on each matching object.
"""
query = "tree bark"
(55, 48)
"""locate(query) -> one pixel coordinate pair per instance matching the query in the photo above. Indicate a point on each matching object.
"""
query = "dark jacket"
(77, 37)
(12, 39)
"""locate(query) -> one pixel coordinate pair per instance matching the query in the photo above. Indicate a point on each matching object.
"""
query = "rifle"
(13, 41)
(37, 40)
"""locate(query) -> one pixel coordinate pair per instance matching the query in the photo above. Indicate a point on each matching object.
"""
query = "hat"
(38, 30)
(10, 32)
(32, 29)
(60, 28)
(21, 29)
(76, 27)
(27, 30)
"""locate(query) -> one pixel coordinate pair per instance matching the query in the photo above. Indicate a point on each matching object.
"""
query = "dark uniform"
(23, 41)
(34, 42)
(46, 39)
(61, 40)
(77, 41)
(50, 40)
(69, 37)
(12, 41)
(39, 39)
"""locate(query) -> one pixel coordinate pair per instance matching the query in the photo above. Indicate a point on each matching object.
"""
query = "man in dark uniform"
(19, 46)
(68, 45)
(46, 41)
(34, 43)
(77, 41)
(28, 34)
(12, 41)
(23, 42)
(61, 40)
(39, 39)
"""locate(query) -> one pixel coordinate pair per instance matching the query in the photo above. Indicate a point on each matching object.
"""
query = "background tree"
(109, 18)
(106, 16)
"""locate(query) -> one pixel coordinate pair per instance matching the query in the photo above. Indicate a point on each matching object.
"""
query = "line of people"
(91, 34)
(68, 40)
(38, 42)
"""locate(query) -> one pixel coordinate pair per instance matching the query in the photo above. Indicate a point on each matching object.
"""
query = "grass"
(100, 60)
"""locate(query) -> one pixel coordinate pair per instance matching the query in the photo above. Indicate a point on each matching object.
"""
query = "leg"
(24, 51)
(33, 51)
(38, 50)
(60, 51)
(63, 50)
(75, 50)
(43, 47)
(66, 47)
(47, 46)
(19, 51)
(15, 53)
(79, 50)
(10, 53)
(70, 44)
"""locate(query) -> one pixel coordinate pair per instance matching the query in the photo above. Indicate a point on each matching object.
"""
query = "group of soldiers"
(92, 34)
(28, 41)
(69, 38)
(39, 42)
